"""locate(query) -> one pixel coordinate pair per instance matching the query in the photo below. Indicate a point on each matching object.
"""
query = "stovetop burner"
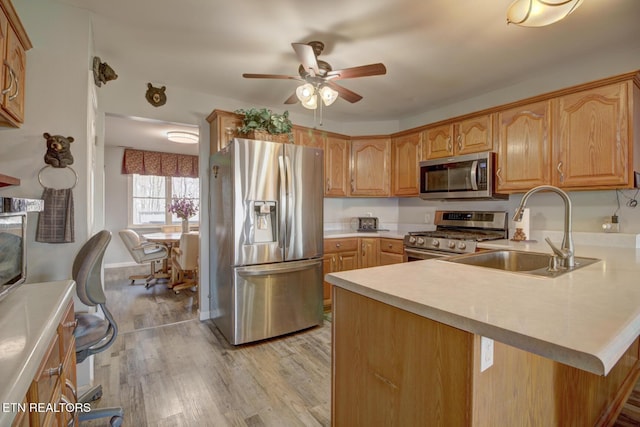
(459, 232)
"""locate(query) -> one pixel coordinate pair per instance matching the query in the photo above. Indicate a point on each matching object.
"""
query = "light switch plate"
(486, 353)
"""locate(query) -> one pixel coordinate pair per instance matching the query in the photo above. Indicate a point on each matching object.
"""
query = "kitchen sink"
(533, 263)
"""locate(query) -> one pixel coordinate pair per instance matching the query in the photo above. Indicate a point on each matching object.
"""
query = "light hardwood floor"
(167, 368)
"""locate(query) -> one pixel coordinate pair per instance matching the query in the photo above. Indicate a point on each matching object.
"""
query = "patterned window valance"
(159, 164)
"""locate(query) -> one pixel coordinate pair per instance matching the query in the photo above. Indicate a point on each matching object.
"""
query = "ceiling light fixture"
(538, 13)
(183, 137)
(308, 95)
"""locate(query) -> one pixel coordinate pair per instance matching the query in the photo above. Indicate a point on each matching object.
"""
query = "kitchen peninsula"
(408, 345)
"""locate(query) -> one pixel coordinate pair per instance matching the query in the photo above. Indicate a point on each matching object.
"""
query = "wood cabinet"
(308, 137)
(55, 379)
(383, 375)
(370, 166)
(591, 145)
(391, 251)
(369, 254)
(14, 43)
(470, 135)
(523, 139)
(337, 152)
(406, 152)
(223, 127)
(340, 254)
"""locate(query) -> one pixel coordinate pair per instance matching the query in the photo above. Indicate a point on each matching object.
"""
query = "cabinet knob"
(73, 324)
(55, 372)
(390, 245)
(337, 245)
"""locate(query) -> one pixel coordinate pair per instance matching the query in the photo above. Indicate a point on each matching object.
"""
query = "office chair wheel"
(116, 421)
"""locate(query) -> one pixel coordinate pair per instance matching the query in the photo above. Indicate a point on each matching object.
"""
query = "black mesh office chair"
(93, 333)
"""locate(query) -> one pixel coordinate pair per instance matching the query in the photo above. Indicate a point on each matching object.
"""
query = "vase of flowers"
(184, 208)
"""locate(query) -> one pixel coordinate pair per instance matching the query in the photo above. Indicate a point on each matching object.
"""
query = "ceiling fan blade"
(307, 57)
(269, 76)
(292, 99)
(361, 71)
(344, 93)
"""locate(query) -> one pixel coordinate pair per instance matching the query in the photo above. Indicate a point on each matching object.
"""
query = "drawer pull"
(337, 245)
(73, 324)
(63, 399)
(70, 386)
(54, 372)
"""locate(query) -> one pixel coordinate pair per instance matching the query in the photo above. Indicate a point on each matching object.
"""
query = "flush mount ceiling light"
(538, 13)
(183, 137)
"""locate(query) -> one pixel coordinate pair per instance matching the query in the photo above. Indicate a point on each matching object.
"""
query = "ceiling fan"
(320, 78)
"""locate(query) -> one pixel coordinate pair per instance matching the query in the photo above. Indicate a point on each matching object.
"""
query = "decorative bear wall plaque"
(156, 95)
(58, 152)
(102, 72)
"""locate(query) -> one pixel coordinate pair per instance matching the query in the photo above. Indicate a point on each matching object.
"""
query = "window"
(150, 196)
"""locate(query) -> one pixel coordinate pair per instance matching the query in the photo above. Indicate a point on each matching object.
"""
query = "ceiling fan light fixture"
(305, 92)
(311, 103)
(328, 95)
(538, 13)
(183, 137)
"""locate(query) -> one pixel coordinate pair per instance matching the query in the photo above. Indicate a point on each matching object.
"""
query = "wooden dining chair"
(184, 260)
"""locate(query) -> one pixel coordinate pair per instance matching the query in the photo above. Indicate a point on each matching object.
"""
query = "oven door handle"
(417, 253)
(474, 175)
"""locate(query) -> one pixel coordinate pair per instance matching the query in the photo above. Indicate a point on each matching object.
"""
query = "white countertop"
(586, 319)
(29, 317)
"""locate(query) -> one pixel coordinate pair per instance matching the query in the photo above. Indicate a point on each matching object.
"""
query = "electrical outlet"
(427, 218)
(486, 353)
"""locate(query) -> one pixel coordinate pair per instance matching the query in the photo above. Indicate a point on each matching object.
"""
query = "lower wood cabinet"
(55, 381)
(339, 255)
(393, 367)
(391, 251)
(342, 254)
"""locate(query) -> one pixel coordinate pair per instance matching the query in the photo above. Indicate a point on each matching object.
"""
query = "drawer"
(47, 375)
(395, 246)
(339, 245)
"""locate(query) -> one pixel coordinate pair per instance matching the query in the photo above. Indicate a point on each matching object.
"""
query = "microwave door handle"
(474, 175)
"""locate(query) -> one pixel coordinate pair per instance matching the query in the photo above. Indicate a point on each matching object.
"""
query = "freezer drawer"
(275, 299)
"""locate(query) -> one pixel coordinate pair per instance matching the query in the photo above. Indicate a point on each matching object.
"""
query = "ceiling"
(436, 51)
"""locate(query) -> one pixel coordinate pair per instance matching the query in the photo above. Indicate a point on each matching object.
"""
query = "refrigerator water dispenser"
(264, 228)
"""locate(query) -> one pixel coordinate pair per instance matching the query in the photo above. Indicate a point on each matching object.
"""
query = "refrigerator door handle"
(282, 190)
(289, 203)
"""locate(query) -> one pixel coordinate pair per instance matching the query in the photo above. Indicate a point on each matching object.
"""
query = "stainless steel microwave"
(470, 176)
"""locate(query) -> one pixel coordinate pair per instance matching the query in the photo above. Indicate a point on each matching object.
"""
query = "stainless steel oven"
(456, 232)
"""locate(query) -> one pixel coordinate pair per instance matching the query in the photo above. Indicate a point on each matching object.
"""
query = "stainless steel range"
(456, 232)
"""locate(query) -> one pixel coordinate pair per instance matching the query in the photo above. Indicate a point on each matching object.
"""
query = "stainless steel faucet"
(565, 253)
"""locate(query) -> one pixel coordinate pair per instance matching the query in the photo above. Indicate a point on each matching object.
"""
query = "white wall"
(56, 102)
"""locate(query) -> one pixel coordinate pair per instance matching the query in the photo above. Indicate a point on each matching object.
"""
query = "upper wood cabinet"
(308, 137)
(370, 161)
(524, 147)
(14, 43)
(466, 136)
(336, 166)
(591, 146)
(223, 127)
(405, 154)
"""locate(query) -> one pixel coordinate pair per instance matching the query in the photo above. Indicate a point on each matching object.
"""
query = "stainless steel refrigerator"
(265, 239)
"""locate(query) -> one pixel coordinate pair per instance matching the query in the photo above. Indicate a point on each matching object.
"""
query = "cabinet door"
(370, 159)
(336, 167)
(348, 260)
(13, 99)
(4, 28)
(308, 137)
(223, 127)
(473, 135)
(328, 266)
(369, 252)
(405, 154)
(438, 142)
(591, 142)
(524, 150)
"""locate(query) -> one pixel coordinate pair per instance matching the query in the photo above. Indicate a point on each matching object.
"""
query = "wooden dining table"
(169, 240)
